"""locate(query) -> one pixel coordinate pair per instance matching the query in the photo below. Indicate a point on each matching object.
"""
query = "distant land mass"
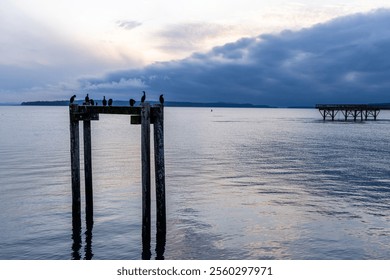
(166, 103)
(178, 104)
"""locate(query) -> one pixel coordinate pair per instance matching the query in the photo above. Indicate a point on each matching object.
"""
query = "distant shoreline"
(171, 104)
(167, 104)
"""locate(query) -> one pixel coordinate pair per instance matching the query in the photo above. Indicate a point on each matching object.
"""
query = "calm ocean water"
(241, 184)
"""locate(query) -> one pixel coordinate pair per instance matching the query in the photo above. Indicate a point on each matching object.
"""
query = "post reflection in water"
(88, 254)
(77, 241)
(76, 237)
(160, 245)
(146, 253)
(88, 239)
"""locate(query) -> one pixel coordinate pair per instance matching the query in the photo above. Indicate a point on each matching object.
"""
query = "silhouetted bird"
(132, 102)
(110, 102)
(104, 101)
(143, 97)
(92, 102)
(72, 99)
(162, 99)
(87, 99)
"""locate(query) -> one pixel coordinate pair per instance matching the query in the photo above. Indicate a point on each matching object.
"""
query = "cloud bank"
(344, 60)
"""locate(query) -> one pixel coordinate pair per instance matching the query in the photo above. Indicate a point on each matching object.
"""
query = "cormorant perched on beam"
(110, 102)
(132, 102)
(162, 99)
(87, 100)
(72, 99)
(104, 101)
(143, 97)
(92, 102)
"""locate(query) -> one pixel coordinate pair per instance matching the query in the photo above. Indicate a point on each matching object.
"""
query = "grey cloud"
(128, 24)
(343, 60)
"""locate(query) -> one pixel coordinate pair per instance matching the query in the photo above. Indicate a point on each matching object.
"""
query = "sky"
(279, 53)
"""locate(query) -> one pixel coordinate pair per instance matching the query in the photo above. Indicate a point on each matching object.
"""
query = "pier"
(354, 111)
(143, 115)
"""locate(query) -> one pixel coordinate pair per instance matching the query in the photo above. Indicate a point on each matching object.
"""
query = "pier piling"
(75, 168)
(160, 170)
(88, 171)
(145, 158)
(161, 226)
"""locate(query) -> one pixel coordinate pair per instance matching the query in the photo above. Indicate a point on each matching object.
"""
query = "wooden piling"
(145, 158)
(158, 132)
(88, 172)
(75, 166)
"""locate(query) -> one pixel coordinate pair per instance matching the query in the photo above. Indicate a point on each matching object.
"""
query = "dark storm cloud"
(343, 60)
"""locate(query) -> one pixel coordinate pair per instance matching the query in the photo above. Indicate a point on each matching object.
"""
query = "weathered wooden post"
(75, 165)
(158, 131)
(88, 171)
(145, 158)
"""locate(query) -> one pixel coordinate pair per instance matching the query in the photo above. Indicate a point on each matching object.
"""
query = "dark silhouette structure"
(145, 116)
(361, 111)
(72, 99)
(104, 101)
(87, 99)
(162, 99)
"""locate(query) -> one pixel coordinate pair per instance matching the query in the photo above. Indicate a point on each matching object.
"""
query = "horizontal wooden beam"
(88, 112)
(121, 110)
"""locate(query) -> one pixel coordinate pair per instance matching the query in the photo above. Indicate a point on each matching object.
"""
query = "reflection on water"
(160, 244)
(88, 254)
(77, 238)
(88, 242)
(77, 243)
(240, 184)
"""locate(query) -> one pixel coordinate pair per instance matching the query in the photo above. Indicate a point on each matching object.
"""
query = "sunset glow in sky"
(49, 49)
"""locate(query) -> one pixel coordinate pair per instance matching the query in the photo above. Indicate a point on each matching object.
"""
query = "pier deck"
(356, 111)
